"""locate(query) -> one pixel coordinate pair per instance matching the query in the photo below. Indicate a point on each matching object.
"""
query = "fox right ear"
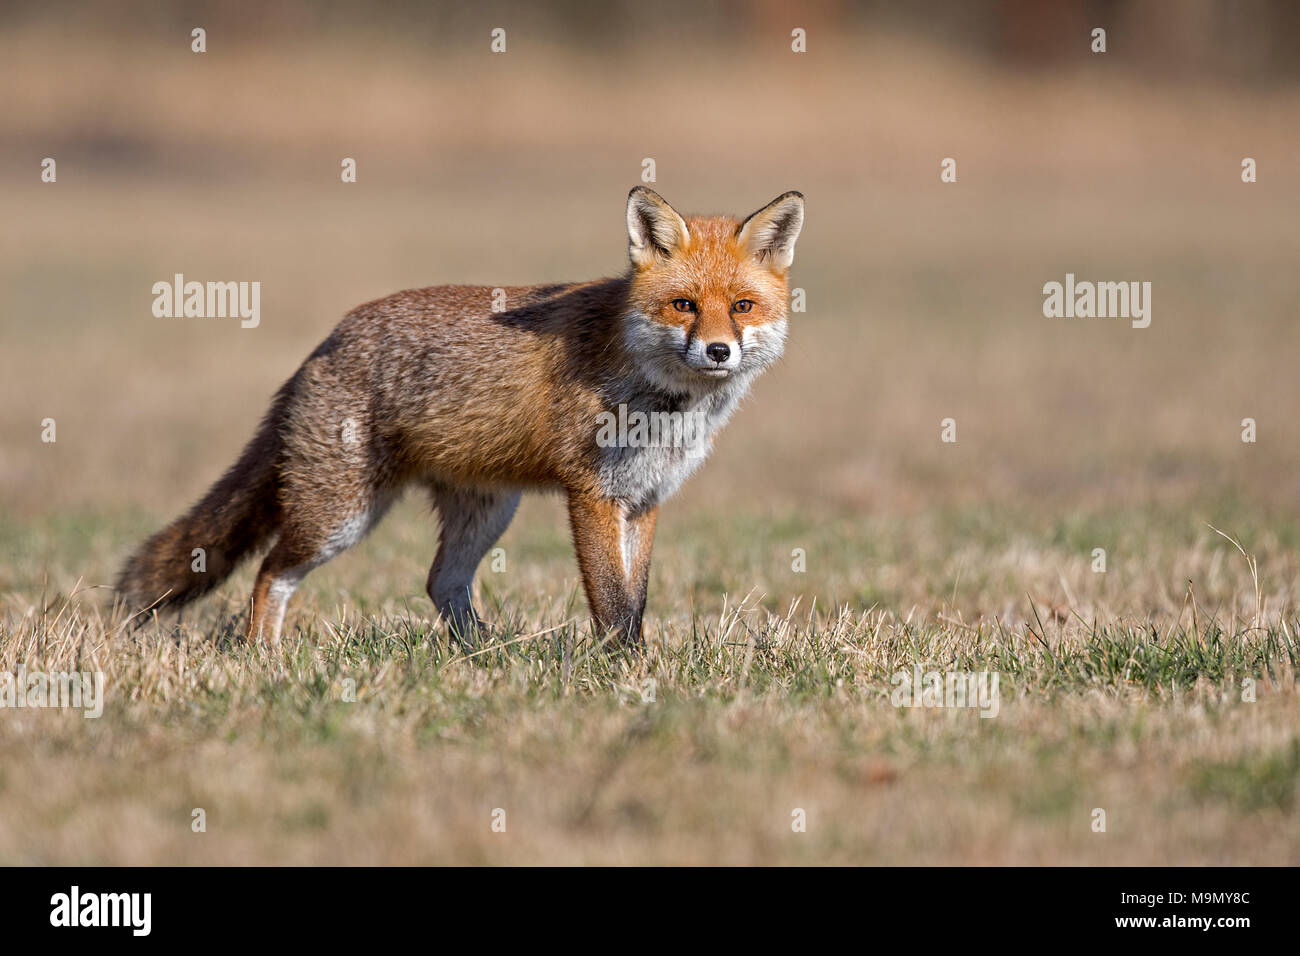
(770, 233)
(653, 227)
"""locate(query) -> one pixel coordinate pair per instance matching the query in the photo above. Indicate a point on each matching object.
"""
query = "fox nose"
(718, 351)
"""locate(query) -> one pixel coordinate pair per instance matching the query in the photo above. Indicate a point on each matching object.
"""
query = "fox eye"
(683, 305)
(744, 305)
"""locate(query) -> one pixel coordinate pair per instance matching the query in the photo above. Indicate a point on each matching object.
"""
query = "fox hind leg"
(301, 547)
(472, 521)
(281, 572)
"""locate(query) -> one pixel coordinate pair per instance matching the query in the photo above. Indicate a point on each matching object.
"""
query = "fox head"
(708, 298)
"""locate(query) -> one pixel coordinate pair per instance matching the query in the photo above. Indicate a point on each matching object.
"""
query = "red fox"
(478, 400)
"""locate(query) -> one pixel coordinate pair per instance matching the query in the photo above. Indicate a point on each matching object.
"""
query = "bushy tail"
(237, 515)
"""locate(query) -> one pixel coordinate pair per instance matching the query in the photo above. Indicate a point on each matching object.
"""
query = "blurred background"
(924, 299)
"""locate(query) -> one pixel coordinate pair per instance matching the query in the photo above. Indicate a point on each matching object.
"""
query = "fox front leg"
(613, 546)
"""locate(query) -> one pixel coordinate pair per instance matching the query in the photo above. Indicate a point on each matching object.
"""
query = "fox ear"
(769, 234)
(653, 227)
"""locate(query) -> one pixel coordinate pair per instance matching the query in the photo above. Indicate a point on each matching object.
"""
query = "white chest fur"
(648, 450)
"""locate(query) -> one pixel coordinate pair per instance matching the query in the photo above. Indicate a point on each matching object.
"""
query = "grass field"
(740, 713)
(764, 690)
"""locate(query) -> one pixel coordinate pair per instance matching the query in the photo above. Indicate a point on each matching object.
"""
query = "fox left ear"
(653, 227)
(769, 234)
